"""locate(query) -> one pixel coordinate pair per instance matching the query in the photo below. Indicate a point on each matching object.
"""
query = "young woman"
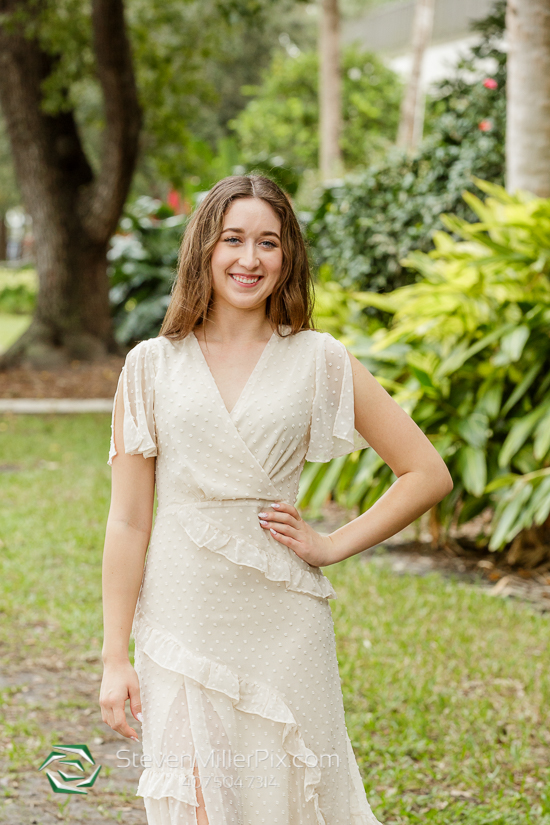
(236, 679)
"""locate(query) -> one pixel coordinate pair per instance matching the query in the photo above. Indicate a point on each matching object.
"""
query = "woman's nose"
(249, 256)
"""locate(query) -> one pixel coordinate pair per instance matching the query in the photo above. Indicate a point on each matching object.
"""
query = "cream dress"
(234, 637)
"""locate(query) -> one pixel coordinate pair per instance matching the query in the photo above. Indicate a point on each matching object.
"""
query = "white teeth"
(245, 280)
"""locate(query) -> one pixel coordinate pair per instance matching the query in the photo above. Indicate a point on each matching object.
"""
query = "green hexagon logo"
(71, 756)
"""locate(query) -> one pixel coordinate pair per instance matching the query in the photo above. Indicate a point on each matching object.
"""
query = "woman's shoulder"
(148, 350)
(318, 340)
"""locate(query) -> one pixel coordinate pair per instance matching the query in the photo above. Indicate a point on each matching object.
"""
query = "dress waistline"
(175, 507)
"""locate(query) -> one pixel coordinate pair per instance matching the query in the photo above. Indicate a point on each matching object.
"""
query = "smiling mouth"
(245, 280)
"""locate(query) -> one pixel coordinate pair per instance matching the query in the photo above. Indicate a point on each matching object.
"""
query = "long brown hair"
(291, 302)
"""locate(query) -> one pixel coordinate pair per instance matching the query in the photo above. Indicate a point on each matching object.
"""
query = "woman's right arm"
(126, 540)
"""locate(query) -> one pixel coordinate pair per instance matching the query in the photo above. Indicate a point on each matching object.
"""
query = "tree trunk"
(528, 96)
(74, 213)
(72, 318)
(411, 123)
(330, 92)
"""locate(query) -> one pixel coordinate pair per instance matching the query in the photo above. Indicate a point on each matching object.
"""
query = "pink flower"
(485, 126)
(490, 83)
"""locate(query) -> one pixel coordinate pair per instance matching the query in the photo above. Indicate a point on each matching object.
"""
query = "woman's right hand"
(120, 682)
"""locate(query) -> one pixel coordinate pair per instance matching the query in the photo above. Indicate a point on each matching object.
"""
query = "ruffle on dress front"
(278, 564)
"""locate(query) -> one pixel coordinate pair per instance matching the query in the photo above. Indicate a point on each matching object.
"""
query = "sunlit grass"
(446, 690)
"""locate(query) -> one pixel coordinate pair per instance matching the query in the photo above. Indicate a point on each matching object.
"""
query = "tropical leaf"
(522, 387)
(519, 433)
(506, 516)
(473, 469)
(542, 437)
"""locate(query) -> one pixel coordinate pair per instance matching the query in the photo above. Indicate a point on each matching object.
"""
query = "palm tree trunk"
(528, 96)
(330, 91)
(412, 108)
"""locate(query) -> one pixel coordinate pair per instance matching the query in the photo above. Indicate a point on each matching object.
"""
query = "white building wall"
(388, 31)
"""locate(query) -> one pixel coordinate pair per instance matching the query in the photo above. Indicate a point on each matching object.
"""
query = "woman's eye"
(270, 244)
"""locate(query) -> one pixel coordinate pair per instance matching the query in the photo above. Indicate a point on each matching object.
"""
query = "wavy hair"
(290, 303)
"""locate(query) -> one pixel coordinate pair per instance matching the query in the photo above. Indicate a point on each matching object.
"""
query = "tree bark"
(411, 123)
(528, 96)
(74, 213)
(330, 92)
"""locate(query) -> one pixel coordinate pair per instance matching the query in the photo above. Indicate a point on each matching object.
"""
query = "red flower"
(490, 83)
(174, 201)
(485, 126)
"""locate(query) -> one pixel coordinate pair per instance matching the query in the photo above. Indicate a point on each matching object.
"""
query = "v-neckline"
(250, 378)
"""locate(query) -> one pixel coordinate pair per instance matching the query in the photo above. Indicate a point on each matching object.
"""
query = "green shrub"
(282, 119)
(468, 356)
(143, 259)
(365, 225)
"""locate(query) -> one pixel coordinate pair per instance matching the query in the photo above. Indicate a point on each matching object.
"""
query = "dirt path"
(79, 380)
(65, 702)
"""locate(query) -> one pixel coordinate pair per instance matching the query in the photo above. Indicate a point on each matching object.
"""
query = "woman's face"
(247, 259)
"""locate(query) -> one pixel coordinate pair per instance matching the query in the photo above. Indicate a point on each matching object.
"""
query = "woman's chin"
(242, 298)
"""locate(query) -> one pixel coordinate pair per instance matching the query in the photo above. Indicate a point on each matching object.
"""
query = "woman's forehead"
(246, 213)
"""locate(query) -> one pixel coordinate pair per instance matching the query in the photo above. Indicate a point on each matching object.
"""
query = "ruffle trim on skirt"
(276, 566)
(158, 784)
(247, 696)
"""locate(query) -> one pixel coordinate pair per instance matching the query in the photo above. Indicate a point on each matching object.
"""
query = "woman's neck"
(245, 326)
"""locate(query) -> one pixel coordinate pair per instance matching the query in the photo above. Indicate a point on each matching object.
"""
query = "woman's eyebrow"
(235, 229)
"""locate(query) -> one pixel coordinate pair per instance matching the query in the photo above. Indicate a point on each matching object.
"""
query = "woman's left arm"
(422, 480)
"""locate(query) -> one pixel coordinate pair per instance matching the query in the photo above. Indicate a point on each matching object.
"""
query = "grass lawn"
(447, 691)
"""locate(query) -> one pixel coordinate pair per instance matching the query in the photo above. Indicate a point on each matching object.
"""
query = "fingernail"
(262, 515)
(276, 506)
(271, 530)
(139, 716)
(134, 738)
(263, 523)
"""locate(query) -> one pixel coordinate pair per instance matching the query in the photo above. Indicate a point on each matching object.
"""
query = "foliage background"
(282, 117)
(467, 355)
(364, 226)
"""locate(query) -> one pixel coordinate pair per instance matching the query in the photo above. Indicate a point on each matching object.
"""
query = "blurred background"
(413, 137)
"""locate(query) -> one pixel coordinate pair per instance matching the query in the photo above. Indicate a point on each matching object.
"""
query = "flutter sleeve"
(137, 384)
(332, 431)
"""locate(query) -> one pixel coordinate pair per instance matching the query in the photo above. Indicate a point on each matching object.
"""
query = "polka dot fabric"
(234, 638)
